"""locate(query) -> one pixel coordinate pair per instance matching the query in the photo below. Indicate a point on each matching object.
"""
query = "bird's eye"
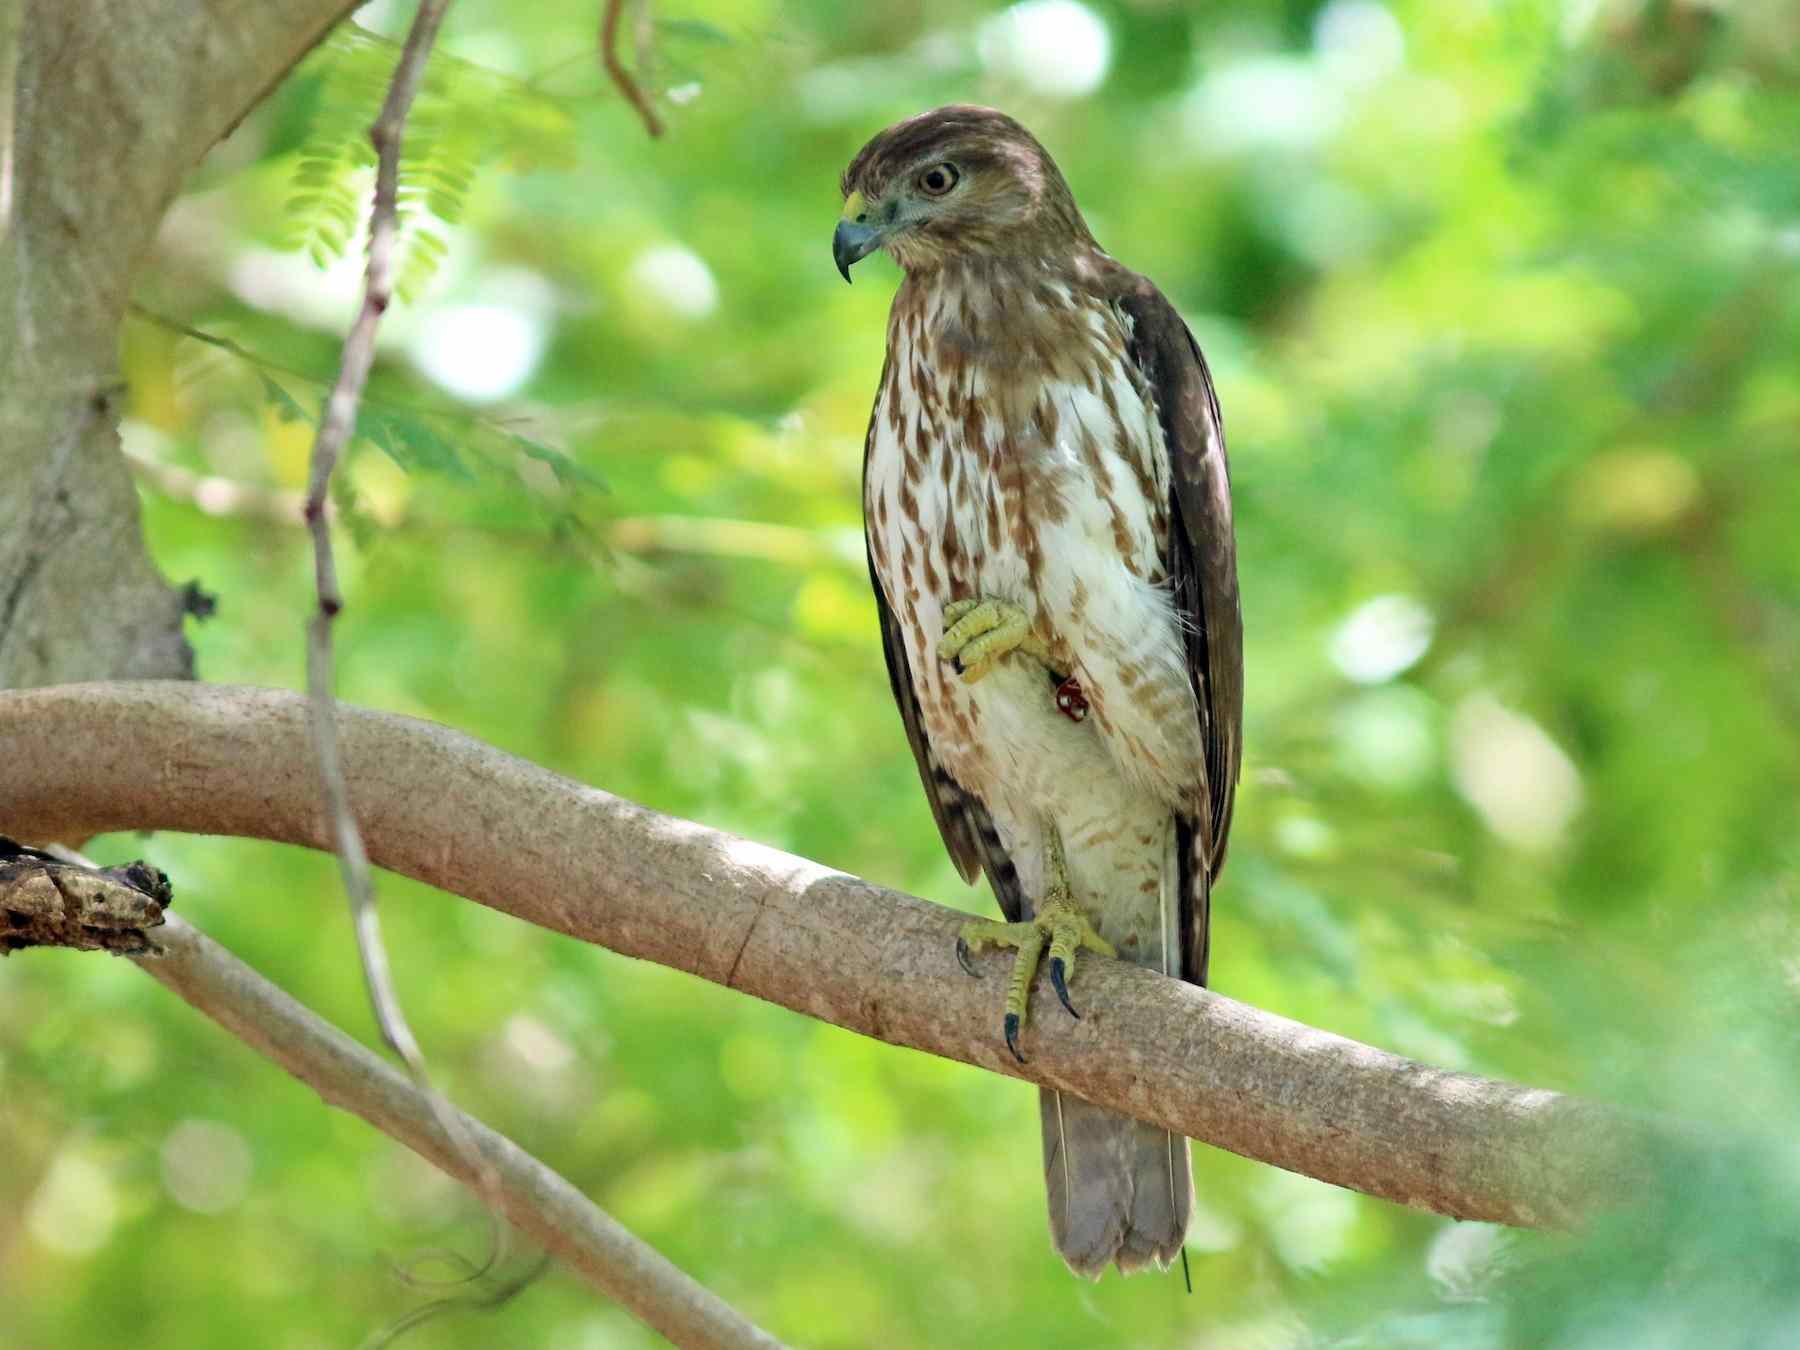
(938, 179)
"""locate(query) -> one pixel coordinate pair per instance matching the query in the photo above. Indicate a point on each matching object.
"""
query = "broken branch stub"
(45, 902)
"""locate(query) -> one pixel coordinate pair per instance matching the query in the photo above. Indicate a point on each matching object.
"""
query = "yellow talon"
(977, 633)
(1058, 923)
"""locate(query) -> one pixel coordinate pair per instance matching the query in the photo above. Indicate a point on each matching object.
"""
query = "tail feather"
(1120, 1191)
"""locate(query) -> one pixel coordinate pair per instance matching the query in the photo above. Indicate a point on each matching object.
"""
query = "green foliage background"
(1502, 303)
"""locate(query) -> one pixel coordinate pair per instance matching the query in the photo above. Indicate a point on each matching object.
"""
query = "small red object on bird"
(1070, 701)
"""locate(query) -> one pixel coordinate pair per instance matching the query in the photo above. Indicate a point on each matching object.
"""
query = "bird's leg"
(1070, 928)
(977, 633)
(1057, 922)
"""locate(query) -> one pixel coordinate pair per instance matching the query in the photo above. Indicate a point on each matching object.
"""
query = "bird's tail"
(1120, 1191)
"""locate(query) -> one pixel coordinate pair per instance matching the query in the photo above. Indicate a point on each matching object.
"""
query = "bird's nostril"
(863, 218)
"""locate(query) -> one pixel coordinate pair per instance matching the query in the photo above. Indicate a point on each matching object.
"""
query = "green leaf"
(350, 514)
(695, 30)
(285, 406)
(568, 471)
(413, 444)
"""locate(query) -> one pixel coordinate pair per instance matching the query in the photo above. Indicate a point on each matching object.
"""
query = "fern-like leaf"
(466, 118)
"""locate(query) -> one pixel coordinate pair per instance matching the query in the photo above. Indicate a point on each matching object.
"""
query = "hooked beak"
(855, 238)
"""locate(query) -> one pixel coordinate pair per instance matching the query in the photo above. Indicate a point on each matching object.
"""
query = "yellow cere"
(854, 205)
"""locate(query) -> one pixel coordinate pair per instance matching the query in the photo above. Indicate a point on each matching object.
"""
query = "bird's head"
(956, 182)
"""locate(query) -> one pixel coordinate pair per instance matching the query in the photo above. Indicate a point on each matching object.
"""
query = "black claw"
(1012, 1036)
(962, 958)
(1059, 981)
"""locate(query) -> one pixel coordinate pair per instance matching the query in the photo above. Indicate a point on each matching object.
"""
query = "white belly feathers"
(990, 477)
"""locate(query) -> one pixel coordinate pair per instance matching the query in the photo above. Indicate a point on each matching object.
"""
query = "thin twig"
(483, 1297)
(335, 430)
(218, 496)
(634, 546)
(627, 85)
(263, 364)
(593, 411)
(640, 536)
(542, 1203)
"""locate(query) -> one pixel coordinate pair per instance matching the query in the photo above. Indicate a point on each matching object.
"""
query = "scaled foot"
(977, 633)
(1059, 924)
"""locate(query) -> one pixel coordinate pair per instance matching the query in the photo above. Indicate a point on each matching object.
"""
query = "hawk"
(1048, 517)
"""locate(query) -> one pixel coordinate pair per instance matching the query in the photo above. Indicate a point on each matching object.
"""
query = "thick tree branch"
(461, 815)
(539, 1201)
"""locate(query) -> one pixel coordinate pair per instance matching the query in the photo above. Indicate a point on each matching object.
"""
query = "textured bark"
(112, 104)
(449, 810)
(45, 902)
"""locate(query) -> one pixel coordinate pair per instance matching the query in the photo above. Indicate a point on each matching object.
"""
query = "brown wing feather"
(1203, 568)
(969, 835)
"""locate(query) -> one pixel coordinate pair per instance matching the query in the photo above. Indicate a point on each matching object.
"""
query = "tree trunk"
(104, 109)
